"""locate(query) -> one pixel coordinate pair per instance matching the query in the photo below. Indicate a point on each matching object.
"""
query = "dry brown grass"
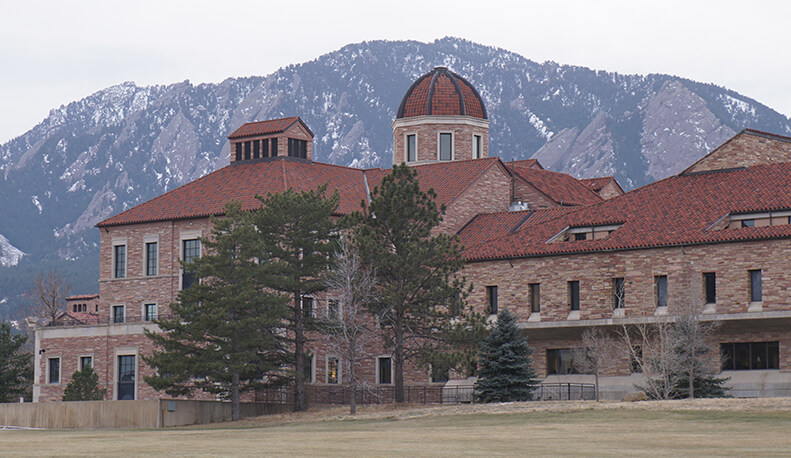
(701, 427)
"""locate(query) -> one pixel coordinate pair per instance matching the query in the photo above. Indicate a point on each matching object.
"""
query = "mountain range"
(126, 144)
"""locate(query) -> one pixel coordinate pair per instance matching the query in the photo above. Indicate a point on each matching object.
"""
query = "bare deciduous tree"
(349, 331)
(650, 347)
(48, 297)
(597, 350)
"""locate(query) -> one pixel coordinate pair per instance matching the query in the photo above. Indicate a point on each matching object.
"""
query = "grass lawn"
(576, 429)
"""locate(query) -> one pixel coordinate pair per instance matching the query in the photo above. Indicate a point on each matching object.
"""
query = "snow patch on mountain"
(9, 254)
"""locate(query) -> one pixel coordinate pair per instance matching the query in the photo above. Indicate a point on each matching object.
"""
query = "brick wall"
(744, 150)
(427, 131)
(489, 193)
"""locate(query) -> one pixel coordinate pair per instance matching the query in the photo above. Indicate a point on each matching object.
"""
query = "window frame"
(146, 317)
(534, 297)
(337, 379)
(184, 237)
(756, 285)
(660, 286)
(728, 355)
(81, 361)
(406, 147)
(147, 259)
(492, 296)
(114, 315)
(115, 266)
(557, 361)
(476, 151)
(709, 287)
(619, 293)
(49, 370)
(312, 310)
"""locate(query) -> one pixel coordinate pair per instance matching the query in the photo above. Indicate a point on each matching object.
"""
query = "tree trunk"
(399, 363)
(236, 412)
(353, 375)
(596, 374)
(300, 404)
(692, 382)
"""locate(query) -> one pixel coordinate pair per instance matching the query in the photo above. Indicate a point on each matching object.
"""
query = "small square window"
(581, 236)
(748, 223)
(149, 312)
(118, 314)
(86, 361)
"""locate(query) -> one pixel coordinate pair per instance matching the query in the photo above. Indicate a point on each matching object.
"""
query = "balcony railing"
(100, 321)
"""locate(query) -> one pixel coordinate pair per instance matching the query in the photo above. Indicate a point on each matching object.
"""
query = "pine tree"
(16, 366)
(84, 386)
(298, 237)
(225, 335)
(419, 294)
(505, 372)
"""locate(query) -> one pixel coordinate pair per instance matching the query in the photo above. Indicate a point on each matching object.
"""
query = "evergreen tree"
(419, 295)
(84, 386)
(16, 365)
(225, 333)
(298, 236)
(505, 373)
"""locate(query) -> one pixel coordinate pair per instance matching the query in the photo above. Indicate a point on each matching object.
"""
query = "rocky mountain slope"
(126, 144)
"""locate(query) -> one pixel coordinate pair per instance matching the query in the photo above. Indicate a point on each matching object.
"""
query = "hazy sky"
(55, 52)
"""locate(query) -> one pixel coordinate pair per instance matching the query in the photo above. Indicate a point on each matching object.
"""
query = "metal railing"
(102, 321)
(420, 394)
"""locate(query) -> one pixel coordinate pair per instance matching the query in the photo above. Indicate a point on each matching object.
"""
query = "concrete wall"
(150, 413)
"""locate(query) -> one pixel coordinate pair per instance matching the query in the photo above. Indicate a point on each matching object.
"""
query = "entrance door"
(126, 377)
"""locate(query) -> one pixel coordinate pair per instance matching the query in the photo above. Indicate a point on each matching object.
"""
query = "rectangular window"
(118, 314)
(384, 374)
(274, 148)
(756, 289)
(256, 149)
(535, 297)
(191, 252)
(618, 292)
(297, 148)
(491, 299)
(660, 290)
(247, 150)
(149, 312)
(476, 146)
(307, 307)
(238, 151)
(445, 147)
(126, 377)
(54, 371)
(574, 294)
(333, 309)
(710, 287)
(439, 373)
(119, 255)
(332, 370)
(560, 362)
(748, 223)
(411, 148)
(151, 258)
(744, 356)
(265, 147)
(308, 367)
(581, 236)
(86, 361)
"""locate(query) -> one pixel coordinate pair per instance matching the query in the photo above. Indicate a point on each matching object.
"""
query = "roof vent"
(518, 206)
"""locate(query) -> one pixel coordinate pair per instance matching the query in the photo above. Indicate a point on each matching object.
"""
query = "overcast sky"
(56, 52)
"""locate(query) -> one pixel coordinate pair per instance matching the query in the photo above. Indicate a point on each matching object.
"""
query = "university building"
(563, 254)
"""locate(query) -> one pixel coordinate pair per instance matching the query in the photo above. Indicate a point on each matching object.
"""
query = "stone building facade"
(549, 247)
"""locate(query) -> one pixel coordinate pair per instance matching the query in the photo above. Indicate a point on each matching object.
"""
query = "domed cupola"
(441, 118)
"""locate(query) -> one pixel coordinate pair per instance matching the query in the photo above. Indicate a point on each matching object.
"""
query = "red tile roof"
(489, 226)
(560, 187)
(79, 317)
(271, 126)
(441, 92)
(207, 195)
(82, 297)
(596, 184)
(675, 211)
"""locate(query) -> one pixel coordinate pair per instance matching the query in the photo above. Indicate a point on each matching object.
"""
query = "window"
(238, 151)
(149, 312)
(491, 299)
(191, 250)
(118, 314)
(265, 147)
(54, 371)
(750, 356)
(256, 149)
(333, 368)
(574, 294)
(126, 378)
(636, 359)
(560, 362)
(384, 374)
(535, 297)
(660, 290)
(247, 150)
(119, 256)
(151, 258)
(297, 148)
(476, 146)
(618, 292)
(307, 307)
(86, 361)
(308, 367)
(445, 147)
(274, 147)
(581, 236)
(748, 223)
(333, 309)
(710, 286)
(756, 293)
(411, 148)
